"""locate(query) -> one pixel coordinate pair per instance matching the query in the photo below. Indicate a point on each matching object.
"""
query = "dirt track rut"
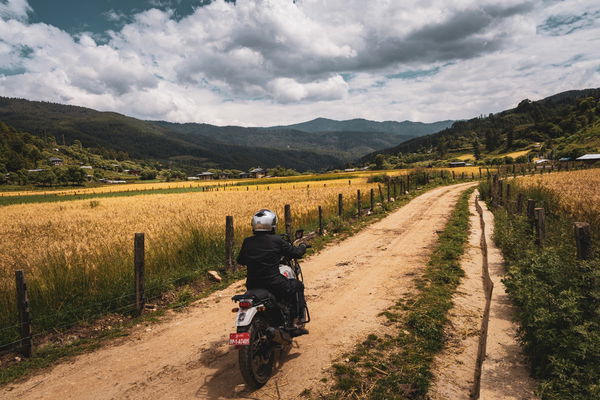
(348, 285)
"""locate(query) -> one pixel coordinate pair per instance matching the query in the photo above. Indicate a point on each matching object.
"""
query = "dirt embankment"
(187, 357)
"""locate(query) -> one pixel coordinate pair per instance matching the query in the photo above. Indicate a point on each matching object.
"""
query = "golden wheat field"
(578, 191)
(306, 179)
(79, 227)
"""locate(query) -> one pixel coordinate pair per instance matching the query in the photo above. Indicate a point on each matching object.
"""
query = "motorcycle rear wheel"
(257, 359)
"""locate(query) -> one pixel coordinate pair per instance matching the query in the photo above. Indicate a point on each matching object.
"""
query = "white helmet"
(264, 221)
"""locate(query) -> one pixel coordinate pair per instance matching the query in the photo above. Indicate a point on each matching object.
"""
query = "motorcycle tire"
(257, 359)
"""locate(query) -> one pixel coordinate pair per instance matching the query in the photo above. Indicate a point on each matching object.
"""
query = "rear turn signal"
(235, 309)
(245, 304)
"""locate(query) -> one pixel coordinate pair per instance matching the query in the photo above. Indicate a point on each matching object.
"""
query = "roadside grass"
(396, 362)
(179, 277)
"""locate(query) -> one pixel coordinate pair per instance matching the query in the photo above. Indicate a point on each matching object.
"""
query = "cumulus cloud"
(14, 9)
(260, 62)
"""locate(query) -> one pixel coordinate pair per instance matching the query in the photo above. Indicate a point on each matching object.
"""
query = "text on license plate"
(239, 339)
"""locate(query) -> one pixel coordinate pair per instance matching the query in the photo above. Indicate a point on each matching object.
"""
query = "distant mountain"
(343, 145)
(406, 128)
(567, 123)
(195, 145)
(147, 140)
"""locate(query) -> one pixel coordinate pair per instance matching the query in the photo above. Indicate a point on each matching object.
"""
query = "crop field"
(578, 192)
(195, 185)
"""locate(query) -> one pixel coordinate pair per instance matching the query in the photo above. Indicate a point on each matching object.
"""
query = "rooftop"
(589, 157)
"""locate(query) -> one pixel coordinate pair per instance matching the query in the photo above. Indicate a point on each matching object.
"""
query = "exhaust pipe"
(279, 336)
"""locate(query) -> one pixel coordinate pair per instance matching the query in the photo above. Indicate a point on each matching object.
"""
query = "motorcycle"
(264, 325)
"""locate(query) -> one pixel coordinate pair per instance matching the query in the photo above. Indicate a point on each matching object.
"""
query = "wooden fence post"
(340, 205)
(395, 194)
(540, 226)
(288, 220)
(320, 220)
(453, 175)
(229, 232)
(520, 203)
(380, 195)
(26, 345)
(388, 191)
(358, 203)
(583, 239)
(138, 263)
(531, 212)
(372, 198)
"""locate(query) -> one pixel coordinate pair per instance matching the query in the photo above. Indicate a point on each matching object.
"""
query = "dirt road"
(348, 285)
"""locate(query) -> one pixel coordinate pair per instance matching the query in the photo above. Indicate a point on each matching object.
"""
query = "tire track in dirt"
(347, 285)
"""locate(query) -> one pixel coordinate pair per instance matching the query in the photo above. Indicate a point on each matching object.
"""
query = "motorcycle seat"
(258, 294)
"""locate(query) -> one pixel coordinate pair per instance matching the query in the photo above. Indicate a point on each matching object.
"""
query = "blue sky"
(270, 62)
(99, 16)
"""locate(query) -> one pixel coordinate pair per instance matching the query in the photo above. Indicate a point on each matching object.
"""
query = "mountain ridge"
(405, 127)
(193, 145)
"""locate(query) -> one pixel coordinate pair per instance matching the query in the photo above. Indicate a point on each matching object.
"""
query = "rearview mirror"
(299, 234)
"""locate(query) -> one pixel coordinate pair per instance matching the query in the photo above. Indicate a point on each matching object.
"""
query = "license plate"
(239, 339)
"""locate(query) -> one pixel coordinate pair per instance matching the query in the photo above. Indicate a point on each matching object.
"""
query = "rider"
(261, 254)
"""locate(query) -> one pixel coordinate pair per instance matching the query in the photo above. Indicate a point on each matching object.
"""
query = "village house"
(206, 175)
(589, 158)
(258, 173)
(55, 161)
(456, 164)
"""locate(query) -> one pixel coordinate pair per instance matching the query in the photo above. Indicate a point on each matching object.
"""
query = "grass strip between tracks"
(89, 339)
(396, 365)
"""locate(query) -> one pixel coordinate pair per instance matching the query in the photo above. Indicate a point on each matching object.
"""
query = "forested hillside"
(28, 159)
(563, 125)
(146, 140)
(195, 146)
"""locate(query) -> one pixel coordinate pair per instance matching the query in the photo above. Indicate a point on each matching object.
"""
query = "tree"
(379, 161)
(476, 150)
(442, 148)
(510, 139)
(148, 174)
(72, 174)
(46, 177)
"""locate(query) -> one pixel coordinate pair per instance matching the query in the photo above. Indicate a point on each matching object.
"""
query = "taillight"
(245, 304)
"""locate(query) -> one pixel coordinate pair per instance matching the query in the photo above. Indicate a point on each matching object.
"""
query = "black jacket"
(261, 254)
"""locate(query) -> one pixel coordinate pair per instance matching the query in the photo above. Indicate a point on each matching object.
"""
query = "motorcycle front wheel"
(257, 359)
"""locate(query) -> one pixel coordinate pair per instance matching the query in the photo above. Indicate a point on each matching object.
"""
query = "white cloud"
(14, 9)
(262, 62)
